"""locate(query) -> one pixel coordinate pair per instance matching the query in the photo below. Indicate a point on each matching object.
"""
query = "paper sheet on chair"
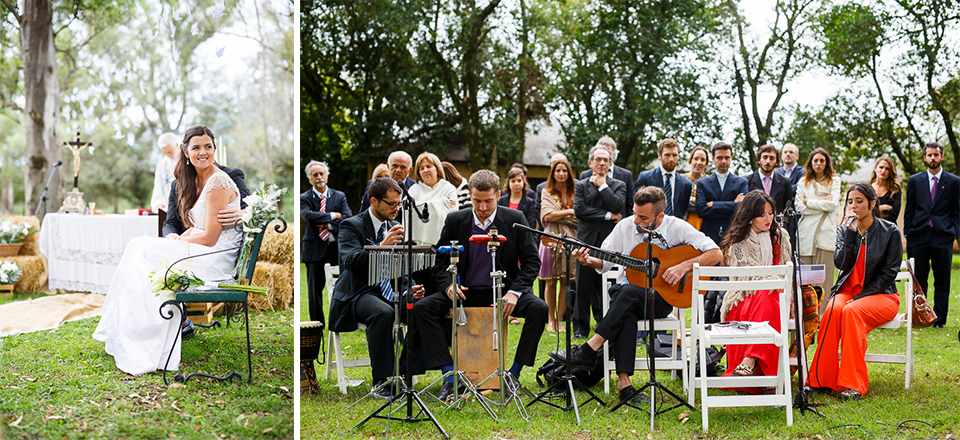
(812, 274)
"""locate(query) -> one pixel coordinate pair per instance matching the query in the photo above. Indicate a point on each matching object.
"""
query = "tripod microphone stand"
(568, 382)
(405, 383)
(653, 384)
(458, 319)
(804, 392)
(508, 392)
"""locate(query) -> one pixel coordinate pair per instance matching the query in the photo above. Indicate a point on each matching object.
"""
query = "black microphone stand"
(653, 383)
(43, 195)
(406, 384)
(804, 392)
(568, 381)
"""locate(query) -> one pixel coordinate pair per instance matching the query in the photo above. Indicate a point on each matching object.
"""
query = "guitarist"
(628, 302)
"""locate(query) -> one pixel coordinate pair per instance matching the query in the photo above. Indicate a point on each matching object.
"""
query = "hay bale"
(34, 278)
(277, 247)
(278, 279)
(31, 246)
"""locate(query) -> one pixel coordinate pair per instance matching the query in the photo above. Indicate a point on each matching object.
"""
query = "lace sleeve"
(222, 181)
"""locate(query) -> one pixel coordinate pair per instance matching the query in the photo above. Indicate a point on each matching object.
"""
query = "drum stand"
(409, 206)
(568, 382)
(653, 383)
(508, 391)
(458, 319)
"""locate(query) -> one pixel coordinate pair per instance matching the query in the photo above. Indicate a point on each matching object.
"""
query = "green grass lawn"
(61, 384)
(932, 398)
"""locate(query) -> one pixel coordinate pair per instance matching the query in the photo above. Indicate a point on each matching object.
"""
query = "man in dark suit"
(622, 174)
(228, 217)
(791, 169)
(766, 180)
(719, 194)
(354, 299)
(322, 208)
(400, 164)
(598, 204)
(676, 186)
(517, 257)
(931, 221)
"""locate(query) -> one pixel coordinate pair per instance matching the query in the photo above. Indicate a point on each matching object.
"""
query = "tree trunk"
(263, 100)
(41, 88)
(6, 188)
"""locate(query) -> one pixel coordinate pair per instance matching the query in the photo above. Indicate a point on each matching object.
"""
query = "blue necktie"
(385, 288)
(668, 191)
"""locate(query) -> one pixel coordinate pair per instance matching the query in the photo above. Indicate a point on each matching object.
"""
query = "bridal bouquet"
(261, 208)
(12, 233)
(175, 280)
(9, 272)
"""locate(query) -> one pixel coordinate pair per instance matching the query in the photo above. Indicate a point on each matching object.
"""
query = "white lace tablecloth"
(83, 251)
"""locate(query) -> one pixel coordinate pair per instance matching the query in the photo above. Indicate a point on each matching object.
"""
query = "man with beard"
(931, 221)
(771, 183)
(354, 299)
(676, 186)
(322, 208)
(719, 194)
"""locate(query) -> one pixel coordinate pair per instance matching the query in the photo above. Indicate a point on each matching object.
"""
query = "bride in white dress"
(136, 335)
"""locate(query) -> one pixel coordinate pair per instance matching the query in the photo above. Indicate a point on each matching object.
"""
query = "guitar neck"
(618, 259)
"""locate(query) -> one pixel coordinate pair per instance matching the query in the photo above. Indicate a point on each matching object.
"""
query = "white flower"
(252, 200)
(246, 215)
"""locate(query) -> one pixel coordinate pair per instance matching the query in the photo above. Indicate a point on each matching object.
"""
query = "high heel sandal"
(744, 370)
(850, 394)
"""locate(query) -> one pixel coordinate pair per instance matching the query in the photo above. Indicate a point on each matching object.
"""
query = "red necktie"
(324, 232)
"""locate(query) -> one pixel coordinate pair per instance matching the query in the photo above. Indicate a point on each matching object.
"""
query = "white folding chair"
(778, 277)
(902, 319)
(676, 323)
(335, 358)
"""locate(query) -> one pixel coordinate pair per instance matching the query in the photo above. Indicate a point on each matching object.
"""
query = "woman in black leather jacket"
(868, 256)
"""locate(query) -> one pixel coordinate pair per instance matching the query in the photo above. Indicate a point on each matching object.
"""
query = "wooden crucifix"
(76, 147)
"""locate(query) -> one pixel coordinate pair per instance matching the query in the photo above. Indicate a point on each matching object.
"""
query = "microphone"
(425, 214)
(850, 222)
(57, 163)
(458, 248)
(484, 239)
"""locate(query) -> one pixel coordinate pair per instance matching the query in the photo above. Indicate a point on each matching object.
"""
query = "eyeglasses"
(601, 160)
(390, 205)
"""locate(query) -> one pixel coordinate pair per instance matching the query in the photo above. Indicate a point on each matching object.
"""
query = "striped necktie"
(385, 288)
(668, 191)
(324, 232)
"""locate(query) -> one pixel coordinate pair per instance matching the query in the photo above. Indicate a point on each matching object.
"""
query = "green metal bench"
(190, 294)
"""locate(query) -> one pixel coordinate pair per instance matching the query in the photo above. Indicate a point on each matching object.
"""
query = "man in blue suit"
(622, 174)
(931, 221)
(719, 194)
(322, 209)
(400, 164)
(676, 186)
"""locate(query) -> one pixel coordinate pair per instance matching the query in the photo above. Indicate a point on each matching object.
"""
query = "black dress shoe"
(938, 325)
(579, 357)
(638, 399)
(446, 391)
(385, 392)
(187, 331)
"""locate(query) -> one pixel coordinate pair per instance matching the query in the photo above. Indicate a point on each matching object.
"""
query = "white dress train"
(137, 337)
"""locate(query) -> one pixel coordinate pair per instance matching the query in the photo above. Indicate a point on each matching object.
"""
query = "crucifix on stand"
(73, 202)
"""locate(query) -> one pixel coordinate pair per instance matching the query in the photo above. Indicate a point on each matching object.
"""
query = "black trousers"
(930, 251)
(316, 281)
(377, 314)
(431, 313)
(628, 304)
(588, 295)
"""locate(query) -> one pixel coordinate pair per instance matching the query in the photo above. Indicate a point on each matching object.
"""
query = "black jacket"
(174, 225)
(528, 206)
(883, 256)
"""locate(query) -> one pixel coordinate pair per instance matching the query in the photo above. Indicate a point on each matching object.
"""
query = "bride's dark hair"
(752, 206)
(188, 190)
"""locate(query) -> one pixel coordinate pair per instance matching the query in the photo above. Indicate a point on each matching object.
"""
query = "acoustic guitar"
(678, 295)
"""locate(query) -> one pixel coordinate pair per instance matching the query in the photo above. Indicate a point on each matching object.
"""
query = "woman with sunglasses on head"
(754, 239)
(868, 255)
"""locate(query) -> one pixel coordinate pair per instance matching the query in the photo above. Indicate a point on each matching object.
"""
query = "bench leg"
(246, 323)
(168, 315)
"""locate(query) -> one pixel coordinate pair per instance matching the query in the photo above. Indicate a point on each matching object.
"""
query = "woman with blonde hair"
(558, 218)
(818, 195)
(433, 193)
(382, 170)
(887, 186)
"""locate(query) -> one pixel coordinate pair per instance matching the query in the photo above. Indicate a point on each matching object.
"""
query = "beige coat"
(817, 209)
(747, 253)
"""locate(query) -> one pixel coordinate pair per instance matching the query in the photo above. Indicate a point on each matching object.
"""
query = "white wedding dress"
(137, 337)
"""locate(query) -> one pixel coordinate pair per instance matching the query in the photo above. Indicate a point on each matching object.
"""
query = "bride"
(136, 335)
